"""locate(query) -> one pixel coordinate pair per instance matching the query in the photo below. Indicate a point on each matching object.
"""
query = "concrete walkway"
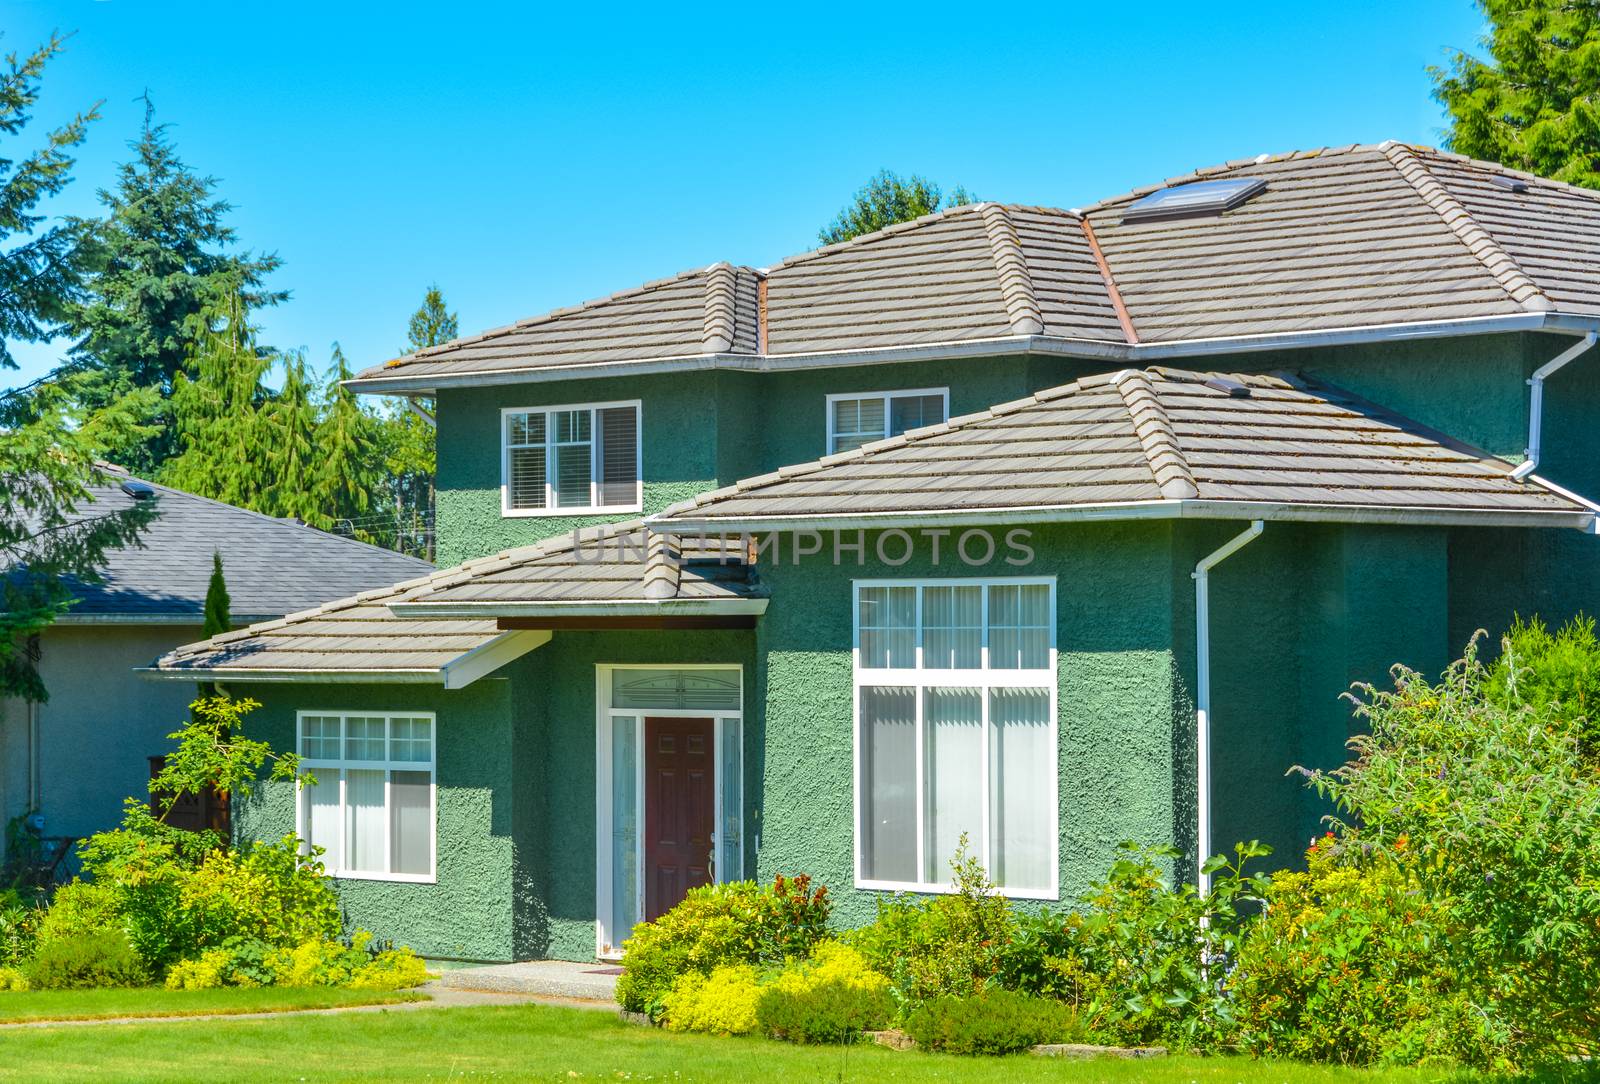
(542, 978)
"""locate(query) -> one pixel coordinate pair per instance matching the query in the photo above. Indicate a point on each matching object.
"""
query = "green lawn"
(535, 1042)
(90, 1004)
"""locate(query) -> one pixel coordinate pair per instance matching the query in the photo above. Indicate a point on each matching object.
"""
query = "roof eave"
(1163, 509)
(306, 676)
(579, 607)
(1045, 345)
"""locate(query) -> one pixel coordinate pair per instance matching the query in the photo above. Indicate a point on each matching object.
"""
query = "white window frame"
(608, 941)
(592, 508)
(982, 679)
(888, 398)
(316, 765)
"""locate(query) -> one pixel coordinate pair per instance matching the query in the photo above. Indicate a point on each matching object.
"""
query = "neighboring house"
(74, 758)
(976, 525)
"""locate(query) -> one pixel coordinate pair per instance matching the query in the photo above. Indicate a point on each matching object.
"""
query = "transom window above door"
(568, 460)
(861, 418)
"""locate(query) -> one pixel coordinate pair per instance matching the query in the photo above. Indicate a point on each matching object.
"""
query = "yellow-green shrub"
(721, 1003)
(826, 999)
(210, 971)
(395, 969)
(12, 980)
(78, 910)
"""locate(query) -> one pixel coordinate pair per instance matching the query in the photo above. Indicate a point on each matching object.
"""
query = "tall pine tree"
(408, 441)
(1534, 104)
(349, 467)
(290, 418)
(218, 619)
(161, 255)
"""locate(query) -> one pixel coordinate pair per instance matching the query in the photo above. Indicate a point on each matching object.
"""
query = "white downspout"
(34, 794)
(1202, 712)
(1536, 404)
(420, 411)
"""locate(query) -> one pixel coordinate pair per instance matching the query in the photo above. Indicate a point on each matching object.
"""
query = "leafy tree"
(50, 444)
(886, 199)
(223, 435)
(1534, 104)
(349, 465)
(159, 259)
(218, 619)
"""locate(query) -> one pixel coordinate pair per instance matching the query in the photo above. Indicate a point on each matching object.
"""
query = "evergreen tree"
(290, 420)
(433, 323)
(160, 258)
(218, 618)
(1535, 103)
(50, 443)
(407, 442)
(348, 460)
(219, 415)
(885, 200)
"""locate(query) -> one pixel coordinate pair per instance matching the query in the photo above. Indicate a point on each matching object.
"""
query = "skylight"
(1512, 184)
(1198, 198)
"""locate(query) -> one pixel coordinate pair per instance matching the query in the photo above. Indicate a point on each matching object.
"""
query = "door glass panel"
(888, 747)
(730, 778)
(687, 690)
(954, 775)
(624, 828)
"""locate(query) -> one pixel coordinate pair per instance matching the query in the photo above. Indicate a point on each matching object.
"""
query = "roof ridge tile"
(720, 309)
(1016, 282)
(1479, 241)
(1156, 436)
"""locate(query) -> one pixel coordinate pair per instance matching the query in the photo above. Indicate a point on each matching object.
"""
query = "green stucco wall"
(480, 904)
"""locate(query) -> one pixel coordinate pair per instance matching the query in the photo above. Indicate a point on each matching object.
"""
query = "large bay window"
(571, 459)
(371, 809)
(956, 733)
(861, 418)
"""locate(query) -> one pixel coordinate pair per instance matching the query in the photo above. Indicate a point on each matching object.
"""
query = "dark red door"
(680, 809)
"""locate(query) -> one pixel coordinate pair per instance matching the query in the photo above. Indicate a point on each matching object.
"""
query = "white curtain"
(366, 826)
(410, 795)
(1022, 766)
(952, 628)
(322, 814)
(889, 784)
(953, 746)
(888, 622)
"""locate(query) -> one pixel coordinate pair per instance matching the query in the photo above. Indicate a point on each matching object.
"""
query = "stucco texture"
(99, 728)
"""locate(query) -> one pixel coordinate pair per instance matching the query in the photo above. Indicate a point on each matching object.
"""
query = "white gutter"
(1045, 345)
(1202, 711)
(310, 677)
(1536, 403)
(1167, 508)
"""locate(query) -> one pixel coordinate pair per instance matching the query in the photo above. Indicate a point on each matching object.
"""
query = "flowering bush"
(741, 922)
(721, 1003)
(826, 999)
(947, 945)
(1349, 964)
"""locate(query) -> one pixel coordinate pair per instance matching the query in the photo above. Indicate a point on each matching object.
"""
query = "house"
(1048, 528)
(74, 758)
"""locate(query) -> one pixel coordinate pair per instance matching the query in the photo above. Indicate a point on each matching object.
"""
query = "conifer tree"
(348, 467)
(161, 255)
(408, 441)
(290, 420)
(1534, 104)
(218, 619)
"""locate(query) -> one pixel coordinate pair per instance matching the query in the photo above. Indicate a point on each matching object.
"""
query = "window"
(955, 690)
(565, 460)
(371, 809)
(854, 420)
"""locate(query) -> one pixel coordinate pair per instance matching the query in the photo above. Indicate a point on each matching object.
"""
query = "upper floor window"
(955, 689)
(571, 459)
(857, 419)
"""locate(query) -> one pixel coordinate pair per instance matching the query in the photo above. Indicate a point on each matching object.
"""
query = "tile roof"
(1342, 238)
(272, 566)
(622, 563)
(1232, 442)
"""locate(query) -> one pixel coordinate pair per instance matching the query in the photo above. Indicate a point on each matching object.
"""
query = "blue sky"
(526, 157)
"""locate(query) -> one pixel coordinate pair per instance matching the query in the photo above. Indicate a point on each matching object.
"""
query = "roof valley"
(1523, 290)
(1117, 304)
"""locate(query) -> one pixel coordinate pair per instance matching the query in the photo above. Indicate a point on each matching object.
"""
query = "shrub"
(721, 1003)
(19, 928)
(1485, 778)
(826, 999)
(720, 924)
(103, 958)
(79, 909)
(996, 1021)
(1143, 962)
(947, 945)
(1348, 965)
(392, 969)
(12, 980)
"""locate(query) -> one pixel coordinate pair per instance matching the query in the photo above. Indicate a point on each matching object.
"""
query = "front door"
(680, 809)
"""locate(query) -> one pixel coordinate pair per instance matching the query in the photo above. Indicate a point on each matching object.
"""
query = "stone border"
(899, 1040)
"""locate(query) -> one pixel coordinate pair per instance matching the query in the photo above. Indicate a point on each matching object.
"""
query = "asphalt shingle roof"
(272, 566)
(1386, 234)
(1141, 437)
(619, 563)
